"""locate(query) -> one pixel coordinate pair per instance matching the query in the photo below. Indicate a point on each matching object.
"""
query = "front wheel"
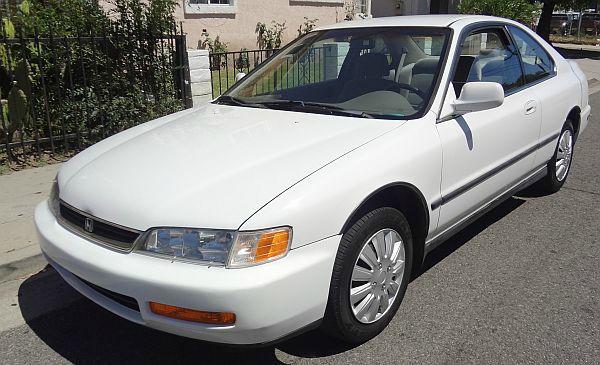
(370, 276)
(559, 165)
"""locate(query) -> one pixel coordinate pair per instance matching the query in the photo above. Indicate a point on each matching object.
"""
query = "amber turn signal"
(185, 314)
(272, 244)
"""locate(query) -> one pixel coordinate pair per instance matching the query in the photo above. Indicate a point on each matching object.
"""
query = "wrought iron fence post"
(186, 86)
(44, 91)
(59, 94)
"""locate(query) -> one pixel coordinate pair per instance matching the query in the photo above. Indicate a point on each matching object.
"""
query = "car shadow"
(532, 192)
(82, 332)
(466, 234)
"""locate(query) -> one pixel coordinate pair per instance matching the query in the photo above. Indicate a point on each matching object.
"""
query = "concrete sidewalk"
(587, 57)
(21, 191)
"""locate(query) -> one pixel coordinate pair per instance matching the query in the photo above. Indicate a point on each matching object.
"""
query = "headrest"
(494, 68)
(372, 66)
(426, 65)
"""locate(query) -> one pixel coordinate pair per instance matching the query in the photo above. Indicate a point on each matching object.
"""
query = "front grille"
(124, 300)
(98, 230)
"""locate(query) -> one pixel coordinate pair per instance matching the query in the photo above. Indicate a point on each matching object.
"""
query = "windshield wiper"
(232, 100)
(315, 107)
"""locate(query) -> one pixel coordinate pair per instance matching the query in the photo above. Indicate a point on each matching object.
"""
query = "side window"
(536, 61)
(486, 55)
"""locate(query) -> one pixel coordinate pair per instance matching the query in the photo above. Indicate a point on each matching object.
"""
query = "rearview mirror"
(239, 76)
(478, 96)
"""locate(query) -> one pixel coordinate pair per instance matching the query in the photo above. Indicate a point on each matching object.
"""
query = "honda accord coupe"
(309, 192)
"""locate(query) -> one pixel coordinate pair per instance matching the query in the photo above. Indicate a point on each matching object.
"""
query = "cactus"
(17, 106)
(7, 126)
(19, 98)
(23, 77)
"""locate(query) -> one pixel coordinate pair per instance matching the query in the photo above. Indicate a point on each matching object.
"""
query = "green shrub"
(520, 10)
(124, 77)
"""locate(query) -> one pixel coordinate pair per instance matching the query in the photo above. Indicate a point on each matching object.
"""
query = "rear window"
(537, 63)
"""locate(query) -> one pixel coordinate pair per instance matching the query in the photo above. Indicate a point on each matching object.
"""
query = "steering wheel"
(398, 87)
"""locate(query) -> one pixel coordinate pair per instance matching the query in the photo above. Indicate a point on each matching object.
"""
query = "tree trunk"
(438, 7)
(543, 28)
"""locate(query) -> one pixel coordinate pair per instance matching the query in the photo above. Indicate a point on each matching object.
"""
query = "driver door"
(485, 153)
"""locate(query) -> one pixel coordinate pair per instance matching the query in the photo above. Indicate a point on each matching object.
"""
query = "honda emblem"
(89, 225)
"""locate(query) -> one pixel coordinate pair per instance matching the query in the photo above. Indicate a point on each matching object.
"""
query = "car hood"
(211, 167)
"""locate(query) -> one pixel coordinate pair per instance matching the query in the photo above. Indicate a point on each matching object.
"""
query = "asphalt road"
(520, 285)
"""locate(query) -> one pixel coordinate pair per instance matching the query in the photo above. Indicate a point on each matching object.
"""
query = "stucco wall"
(381, 8)
(237, 29)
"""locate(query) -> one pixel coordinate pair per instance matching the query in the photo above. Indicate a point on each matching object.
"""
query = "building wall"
(380, 8)
(235, 24)
(237, 28)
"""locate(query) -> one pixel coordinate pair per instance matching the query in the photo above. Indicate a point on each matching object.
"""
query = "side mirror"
(239, 76)
(477, 96)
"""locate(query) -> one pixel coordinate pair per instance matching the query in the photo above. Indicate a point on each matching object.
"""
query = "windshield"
(362, 72)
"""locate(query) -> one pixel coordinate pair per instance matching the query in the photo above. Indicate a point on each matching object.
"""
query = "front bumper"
(270, 301)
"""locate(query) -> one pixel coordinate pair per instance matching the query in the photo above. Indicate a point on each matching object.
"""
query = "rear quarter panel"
(558, 96)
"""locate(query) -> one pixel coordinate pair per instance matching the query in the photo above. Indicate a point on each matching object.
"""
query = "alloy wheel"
(564, 154)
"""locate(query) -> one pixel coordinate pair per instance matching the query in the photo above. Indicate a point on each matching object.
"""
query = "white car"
(310, 191)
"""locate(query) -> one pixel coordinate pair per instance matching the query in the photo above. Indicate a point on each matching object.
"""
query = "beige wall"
(381, 8)
(238, 29)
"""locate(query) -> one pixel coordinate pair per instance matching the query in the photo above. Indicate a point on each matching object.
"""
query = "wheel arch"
(408, 199)
(575, 117)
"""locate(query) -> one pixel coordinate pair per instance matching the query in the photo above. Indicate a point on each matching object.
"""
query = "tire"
(557, 172)
(351, 321)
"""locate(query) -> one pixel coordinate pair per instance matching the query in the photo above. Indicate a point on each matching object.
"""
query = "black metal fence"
(308, 68)
(224, 66)
(61, 94)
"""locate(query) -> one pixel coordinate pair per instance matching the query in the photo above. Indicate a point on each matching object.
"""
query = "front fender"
(319, 206)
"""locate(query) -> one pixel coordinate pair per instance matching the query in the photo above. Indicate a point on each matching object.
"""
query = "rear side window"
(486, 55)
(537, 63)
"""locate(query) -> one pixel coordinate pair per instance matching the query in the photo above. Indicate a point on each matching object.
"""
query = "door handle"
(530, 107)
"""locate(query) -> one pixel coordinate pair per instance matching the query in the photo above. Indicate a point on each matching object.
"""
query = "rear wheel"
(560, 164)
(370, 275)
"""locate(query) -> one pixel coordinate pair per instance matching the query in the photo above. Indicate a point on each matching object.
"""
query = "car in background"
(590, 24)
(312, 190)
(562, 24)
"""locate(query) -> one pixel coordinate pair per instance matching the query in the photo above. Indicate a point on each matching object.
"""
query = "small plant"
(350, 10)
(307, 26)
(269, 37)
(242, 62)
(213, 46)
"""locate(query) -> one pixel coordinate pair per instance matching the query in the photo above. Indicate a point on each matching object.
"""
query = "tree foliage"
(543, 28)
(520, 10)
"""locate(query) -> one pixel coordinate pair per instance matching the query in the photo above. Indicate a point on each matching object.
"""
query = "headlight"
(53, 199)
(231, 248)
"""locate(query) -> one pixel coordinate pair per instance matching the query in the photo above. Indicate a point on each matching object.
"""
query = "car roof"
(436, 20)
